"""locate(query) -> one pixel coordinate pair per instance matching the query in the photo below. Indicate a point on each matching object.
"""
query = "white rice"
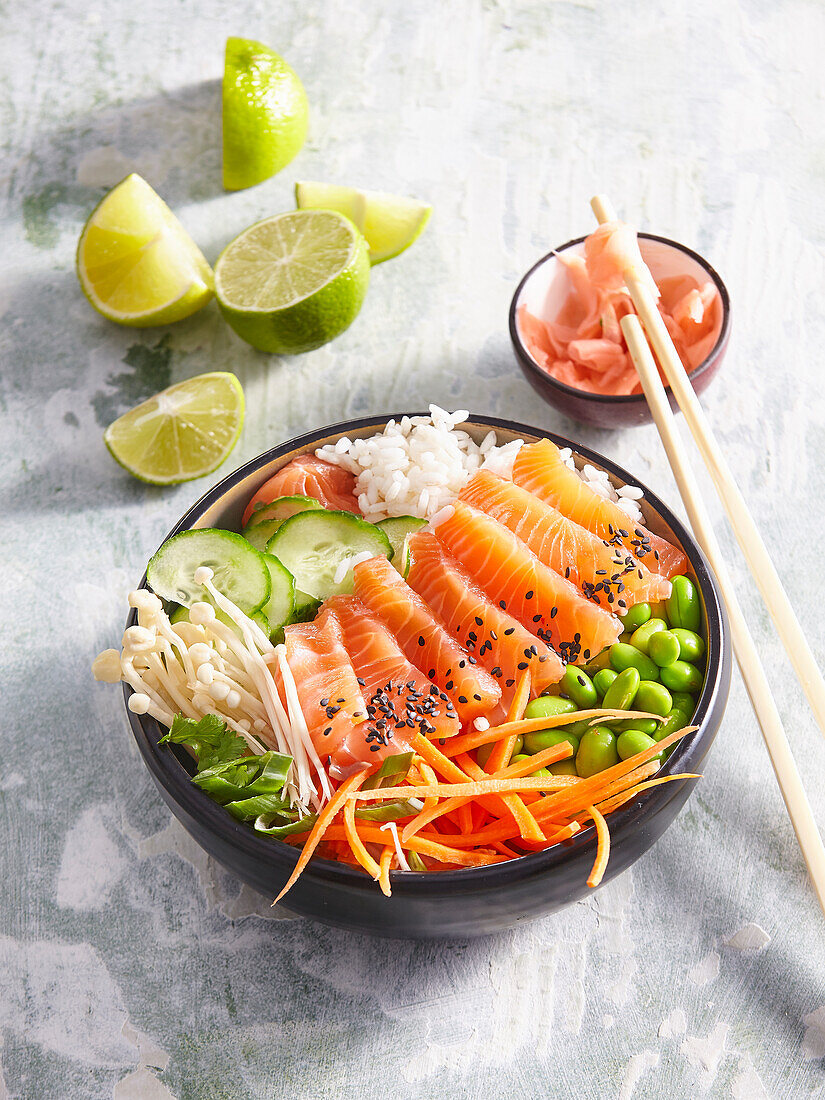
(418, 465)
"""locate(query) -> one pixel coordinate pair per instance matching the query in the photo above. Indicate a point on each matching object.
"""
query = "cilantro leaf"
(209, 739)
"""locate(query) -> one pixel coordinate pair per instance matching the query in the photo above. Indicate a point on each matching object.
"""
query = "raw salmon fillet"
(605, 574)
(308, 476)
(330, 695)
(425, 642)
(499, 641)
(539, 468)
(399, 697)
(531, 591)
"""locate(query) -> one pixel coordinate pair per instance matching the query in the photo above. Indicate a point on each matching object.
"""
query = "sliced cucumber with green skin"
(280, 606)
(305, 607)
(313, 544)
(401, 559)
(240, 572)
(396, 528)
(282, 508)
(259, 534)
(181, 615)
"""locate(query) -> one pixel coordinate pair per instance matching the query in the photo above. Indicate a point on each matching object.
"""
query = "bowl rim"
(170, 773)
(630, 399)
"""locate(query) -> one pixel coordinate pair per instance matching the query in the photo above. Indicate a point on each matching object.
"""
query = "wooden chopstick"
(753, 548)
(756, 682)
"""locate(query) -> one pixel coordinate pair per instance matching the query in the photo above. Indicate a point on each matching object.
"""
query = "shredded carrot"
(473, 789)
(528, 826)
(547, 756)
(619, 800)
(602, 847)
(384, 865)
(436, 849)
(465, 816)
(321, 825)
(468, 741)
(356, 844)
(428, 775)
(437, 760)
(504, 748)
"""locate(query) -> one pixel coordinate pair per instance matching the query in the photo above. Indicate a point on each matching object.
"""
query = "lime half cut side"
(390, 223)
(136, 263)
(183, 432)
(293, 281)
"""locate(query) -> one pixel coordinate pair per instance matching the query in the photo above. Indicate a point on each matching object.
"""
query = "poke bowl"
(543, 290)
(462, 901)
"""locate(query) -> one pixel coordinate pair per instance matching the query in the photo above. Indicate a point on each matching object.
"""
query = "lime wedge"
(265, 113)
(294, 281)
(389, 222)
(183, 432)
(136, 263)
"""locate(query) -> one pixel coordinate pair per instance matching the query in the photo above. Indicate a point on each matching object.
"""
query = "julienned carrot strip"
(430, 780)
(440, 810)
(356, 844)
(500, 846)
(465, 816)
(602, 847)
(613, 803)
(436, 759)
(322, 823)
(528, 826)
(472, 788)
(435, 848)
(468, 741)
(503, 749)
(546, 756)
(384, 872)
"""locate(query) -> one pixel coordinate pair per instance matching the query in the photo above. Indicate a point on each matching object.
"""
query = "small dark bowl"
(473, 901)
(664, 257)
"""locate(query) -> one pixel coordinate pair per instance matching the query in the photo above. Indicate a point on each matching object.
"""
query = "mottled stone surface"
(130, 965)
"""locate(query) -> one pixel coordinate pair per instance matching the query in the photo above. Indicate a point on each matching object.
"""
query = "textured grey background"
(130, 965)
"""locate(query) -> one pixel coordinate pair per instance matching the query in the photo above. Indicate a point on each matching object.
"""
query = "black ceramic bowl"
(544, 283)
(463, 903)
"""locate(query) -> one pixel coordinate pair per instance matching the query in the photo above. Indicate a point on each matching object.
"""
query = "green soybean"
(636, 616)
(564, 767)
(684, 701)
(632, 742)
(577, 728)
(597, 751)
(691, 645)
(664, 648)
(483, 754)
(653, 698)
(641, 638)
(603, 679)
(622, 692)
(548, 739)
(675, 720)
(680, 676)
(539, 773)
(548, 706)
(578, 685)
(601, 660)
(645, 725)
(624, 656)
(682, 606)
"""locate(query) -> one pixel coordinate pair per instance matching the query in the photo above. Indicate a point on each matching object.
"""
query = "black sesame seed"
(528, 595)
(510, 630)
(420, 640)
(462, 698)
(522, 665)
(537, 618)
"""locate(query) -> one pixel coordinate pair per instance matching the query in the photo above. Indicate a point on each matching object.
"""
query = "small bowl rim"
(630, 399)
(169, 771)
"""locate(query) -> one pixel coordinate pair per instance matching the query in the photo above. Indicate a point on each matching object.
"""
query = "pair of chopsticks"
(753, 548)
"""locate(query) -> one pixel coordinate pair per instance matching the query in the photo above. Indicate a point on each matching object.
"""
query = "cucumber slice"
(305, 607)
(313, 544)
(280, 606)
(282, 508)
(396, 528)
(240, 571)
(259, 534)
(181, 615)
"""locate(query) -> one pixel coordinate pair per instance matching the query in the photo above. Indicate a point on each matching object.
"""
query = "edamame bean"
(638, 614)
(603, 679)
(682, 606)
(539, 773)
(601, 660)
(691, 644)
(653, 698)
(548, 706)
(597, 751)
(577, 728)
(664, 648)
(681, 677)
(578, 685)
(675, 720)
(645, 725)
(547, 739)
(564, 767)
(623, 656)
(641, 638)
(622, 692)
(632, 742)
(483, 753)
(684, 701)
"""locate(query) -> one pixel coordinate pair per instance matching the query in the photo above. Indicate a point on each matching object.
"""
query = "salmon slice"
(531, 591)
(499, 641)
(425, 642)
(399, 697)
(605, 574)
(330, 696)
(308, 476)
(539, 468)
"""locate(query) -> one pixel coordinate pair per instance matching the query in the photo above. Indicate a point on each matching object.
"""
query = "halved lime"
(183, 432)
(136, 263)
(390, 223)
(265, 113)
(294, 281)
